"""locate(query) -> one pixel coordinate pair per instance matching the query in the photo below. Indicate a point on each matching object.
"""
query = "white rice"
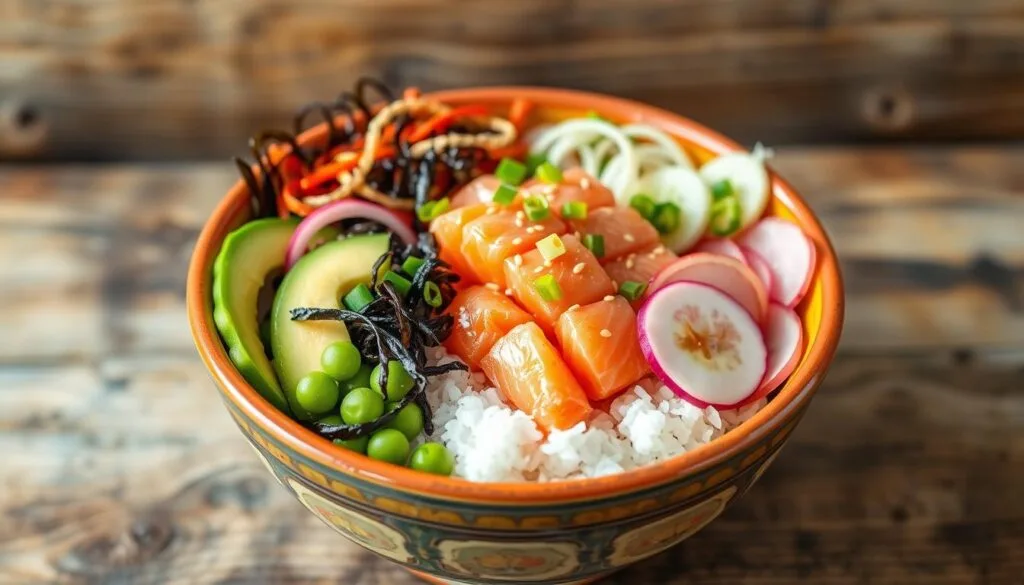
(495, 442)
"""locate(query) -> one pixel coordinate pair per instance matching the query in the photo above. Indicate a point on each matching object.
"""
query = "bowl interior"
(821, 310)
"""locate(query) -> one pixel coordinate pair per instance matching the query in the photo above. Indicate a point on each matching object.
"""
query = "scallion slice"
(358, 297)
(511, 172)
(534, 160)
(548, 288)
(432, 294)
(666, 218)
(594, 243)
(432, 209)
(726, 215)
(632, 290)
(549, 173)
(536, 208)
(505, 194)
(644, 205)
(401, 284)
(411, 265)
(551, 247)
(574, 210)
(722, 189)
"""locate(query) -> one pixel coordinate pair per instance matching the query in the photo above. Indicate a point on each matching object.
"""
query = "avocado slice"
(319, 279)
(248, 256)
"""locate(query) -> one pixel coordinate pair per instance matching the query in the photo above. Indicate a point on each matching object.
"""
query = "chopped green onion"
(432, 209)
(536, 208)
(505, 194)
(549, 173)
(574, 210)
(548, 288)
(534, 160)
(594, 243)
(725, 217)
(358, 297)
(722, 189)
(551, 247)
(411, 265)
(511, 172)
(644, 205)
(432, 294)
(632, 290)
(666, 218)
(401, 284)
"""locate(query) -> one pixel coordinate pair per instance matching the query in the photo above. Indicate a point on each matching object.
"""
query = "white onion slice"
(669, 147)
(587, 126)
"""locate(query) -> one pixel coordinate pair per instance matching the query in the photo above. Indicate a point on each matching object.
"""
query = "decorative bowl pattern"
(451, 531)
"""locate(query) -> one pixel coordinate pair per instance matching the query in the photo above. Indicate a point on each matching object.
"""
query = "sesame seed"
(508, 291)
(630, 262)
(492, 210)
(578, 268)
(516, 241)
(577, 234)
(615, 284)
(538, 269)
(518, 259)
(521, 214)
(572, 308)
(519, 223)
(658, 250)
(492, 286)
(629, 238)
(606, 333)
(547, 264)
(584, 183)
(609, 298)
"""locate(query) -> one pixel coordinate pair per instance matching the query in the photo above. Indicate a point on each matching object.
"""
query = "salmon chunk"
(579, 276)
(447, 230)
(491, 238)
(639, 267)
(624, 230)
(600, 343)
(576, 185)
(479, 190)
(531, 374)
(482, 317)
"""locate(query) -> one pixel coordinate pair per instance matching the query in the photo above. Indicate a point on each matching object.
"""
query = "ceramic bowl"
(453, 531)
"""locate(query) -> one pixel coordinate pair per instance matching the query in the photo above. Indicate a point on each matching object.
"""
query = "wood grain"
(119, 464)
(113, 79)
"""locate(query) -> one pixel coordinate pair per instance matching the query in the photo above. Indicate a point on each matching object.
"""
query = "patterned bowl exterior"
(452, 532)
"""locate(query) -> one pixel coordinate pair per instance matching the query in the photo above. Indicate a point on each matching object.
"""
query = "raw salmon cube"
(492, 237)
(482, 317)
(600, 343)
(576, 185)
(624, 230)
(579, 276)
(639, 267)
(479, 190)
(531, 374)
(447, 230)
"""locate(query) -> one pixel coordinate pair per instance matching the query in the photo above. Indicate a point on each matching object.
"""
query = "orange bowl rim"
(797, 390)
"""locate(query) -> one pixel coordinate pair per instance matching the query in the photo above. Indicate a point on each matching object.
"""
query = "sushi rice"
(493, 441)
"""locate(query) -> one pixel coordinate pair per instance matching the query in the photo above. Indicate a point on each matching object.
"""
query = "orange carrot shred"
(440, 122)
(411, 93)
(519, 112)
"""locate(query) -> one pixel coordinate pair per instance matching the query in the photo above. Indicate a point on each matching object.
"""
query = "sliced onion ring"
(337, 211)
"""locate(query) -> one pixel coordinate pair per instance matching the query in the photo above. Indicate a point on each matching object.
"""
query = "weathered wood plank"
(114, 79)
(906, 470)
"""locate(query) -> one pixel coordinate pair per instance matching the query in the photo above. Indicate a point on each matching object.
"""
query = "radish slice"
(749, 179)
(760, 267)
(337, 211)
(702, 344)
(789, 254)
(723, 248)
(684, 188)
(726, 274)
(785, 340)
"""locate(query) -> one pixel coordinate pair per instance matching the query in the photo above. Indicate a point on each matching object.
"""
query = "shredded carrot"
(515, 150)
(411, 93)
(276, 152)
(439, 122)
(327, 173)
(294, 204)
(519, 112)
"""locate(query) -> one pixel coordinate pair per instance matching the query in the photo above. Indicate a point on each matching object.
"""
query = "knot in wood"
(888, 109)
(23, 129)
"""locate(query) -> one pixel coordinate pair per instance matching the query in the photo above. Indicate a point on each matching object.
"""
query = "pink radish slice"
(785, 339)
(723, 248)
(337, 211)
(789, 253)
(760, 267)
(702, 344)
(725, 273)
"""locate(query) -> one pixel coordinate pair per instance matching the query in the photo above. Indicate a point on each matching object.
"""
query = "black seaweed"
(393, 327)
(402, 177)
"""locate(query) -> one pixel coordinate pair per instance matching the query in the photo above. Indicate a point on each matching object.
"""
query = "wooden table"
(119, 465)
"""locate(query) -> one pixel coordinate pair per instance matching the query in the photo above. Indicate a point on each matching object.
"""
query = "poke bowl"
(513, 334)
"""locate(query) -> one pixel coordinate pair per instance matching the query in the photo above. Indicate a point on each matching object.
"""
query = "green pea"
(433, 458)
(388, 445)
(341, 360)
(332, 420)
(358, 445)
(409, 421)
(399, 381)
(361, 405)
(361, 379)
(317, 392)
